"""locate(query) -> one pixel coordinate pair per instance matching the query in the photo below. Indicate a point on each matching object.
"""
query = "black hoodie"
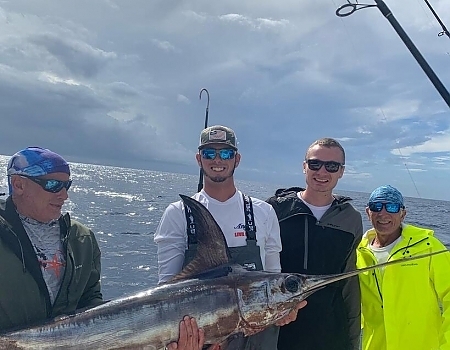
(331, 320)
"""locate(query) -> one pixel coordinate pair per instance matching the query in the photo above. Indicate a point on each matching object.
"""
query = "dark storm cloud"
(118, 82)
(78, 57)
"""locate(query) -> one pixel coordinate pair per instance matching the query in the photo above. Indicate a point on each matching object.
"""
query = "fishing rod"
(200, 179)
(444, 29)
(350, 8)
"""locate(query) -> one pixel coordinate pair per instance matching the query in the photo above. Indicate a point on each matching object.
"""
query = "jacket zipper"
(378, 287)
(374, 274)
(68, 256)
(305, 255)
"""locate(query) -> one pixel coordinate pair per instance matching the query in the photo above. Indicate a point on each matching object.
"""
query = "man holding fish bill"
(320, 231)
(404, 306)
(249, 225)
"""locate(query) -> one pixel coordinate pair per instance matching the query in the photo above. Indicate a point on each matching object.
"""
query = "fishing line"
(410, 175)
(402, 157)
(349, 36)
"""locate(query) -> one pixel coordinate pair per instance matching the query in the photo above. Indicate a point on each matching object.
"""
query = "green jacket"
(24, 298)
(401, 309)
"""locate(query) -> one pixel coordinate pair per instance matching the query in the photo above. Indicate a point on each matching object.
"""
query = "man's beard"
(218, 179)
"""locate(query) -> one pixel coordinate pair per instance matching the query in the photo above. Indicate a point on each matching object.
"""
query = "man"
(50, 263)
(320, 232)
(250, 225)
(405, 306)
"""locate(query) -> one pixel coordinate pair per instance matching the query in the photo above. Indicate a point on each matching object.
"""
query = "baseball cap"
(218, 134)
(387, 194)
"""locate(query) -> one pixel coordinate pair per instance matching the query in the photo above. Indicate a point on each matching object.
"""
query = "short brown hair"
(327, 142)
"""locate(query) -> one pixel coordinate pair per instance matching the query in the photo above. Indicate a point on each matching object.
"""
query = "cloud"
(163, 45)
(437, 144)
(183, 99)
(78, 57)
(118, 83)
(255, 23)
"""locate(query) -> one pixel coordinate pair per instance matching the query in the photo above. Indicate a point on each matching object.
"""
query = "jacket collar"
(410, 235)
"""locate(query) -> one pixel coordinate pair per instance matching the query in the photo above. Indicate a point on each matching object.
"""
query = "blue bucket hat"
(387, 194)
(36, 161)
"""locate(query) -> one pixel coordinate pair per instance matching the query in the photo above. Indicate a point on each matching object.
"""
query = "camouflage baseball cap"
(218, 134)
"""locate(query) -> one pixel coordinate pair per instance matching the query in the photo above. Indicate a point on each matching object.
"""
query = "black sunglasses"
(392, 208)
(330, 166)
(50, 185)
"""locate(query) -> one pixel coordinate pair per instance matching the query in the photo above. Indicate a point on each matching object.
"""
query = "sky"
(117, 82)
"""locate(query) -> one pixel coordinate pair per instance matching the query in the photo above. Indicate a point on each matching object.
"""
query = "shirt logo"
(239, 234)
(55, 265)
(249, 266)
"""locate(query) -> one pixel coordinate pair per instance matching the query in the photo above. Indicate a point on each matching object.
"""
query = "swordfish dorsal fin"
(212, 248)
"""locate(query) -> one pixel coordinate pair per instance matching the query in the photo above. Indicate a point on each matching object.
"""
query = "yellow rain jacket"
(401, 307)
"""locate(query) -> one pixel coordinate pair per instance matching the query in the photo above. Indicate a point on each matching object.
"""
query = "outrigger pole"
(200, 179)
(409, 44)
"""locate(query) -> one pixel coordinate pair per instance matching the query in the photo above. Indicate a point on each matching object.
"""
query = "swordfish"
(225, 299)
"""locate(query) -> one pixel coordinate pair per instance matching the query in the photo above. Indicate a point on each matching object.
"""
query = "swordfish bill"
(225, 299)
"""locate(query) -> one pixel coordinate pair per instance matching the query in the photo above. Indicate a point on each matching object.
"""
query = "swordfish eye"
(292, 283)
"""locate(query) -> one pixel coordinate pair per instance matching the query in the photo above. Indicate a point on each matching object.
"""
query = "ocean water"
(123, 207)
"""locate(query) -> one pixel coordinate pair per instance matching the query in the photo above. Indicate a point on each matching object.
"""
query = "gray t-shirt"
(46, 241)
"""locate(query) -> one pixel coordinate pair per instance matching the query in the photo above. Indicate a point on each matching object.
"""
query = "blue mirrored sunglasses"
(392, 208)
(50, 185)
(211, 153)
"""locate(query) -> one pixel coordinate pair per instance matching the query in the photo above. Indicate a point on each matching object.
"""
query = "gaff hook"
(207, 106)
(200, 179)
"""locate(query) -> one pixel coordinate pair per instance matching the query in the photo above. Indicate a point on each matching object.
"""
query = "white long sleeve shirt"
(171, 237)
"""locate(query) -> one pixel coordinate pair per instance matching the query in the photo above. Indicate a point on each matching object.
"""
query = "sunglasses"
(50, 185)
(330, 166)
(392, 208)
(224, 153)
